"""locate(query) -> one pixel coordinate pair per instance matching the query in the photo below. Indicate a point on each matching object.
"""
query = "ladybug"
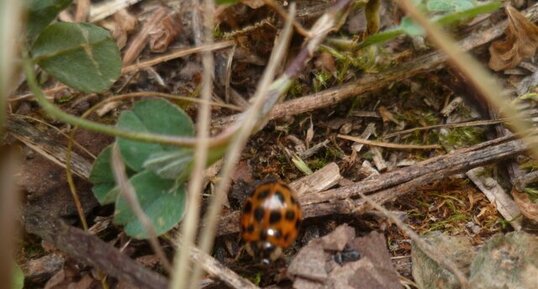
(270, 220)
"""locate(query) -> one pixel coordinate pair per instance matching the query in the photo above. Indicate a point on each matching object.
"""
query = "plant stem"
(57, 113)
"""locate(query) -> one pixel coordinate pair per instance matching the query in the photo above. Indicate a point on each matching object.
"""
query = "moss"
(462, 137)
(318, 163)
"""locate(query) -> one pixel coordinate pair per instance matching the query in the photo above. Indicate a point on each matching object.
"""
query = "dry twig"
(253, 120)
(389, 145)
(181, 276)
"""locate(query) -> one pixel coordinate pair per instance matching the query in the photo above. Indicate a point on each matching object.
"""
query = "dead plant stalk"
(180, 277)
(252, 120)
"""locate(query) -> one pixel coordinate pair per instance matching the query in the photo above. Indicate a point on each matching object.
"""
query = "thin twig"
(177, 54)
(213, 267)
(447, 125)
(275, 6)
(431, 252)
(128, 192)
(55, 111)
(252, 119)
(389, 145)
(165, 95)
(181, 275)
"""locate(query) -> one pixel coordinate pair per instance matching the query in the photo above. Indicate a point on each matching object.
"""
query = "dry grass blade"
(10, 11)
(180, 278)
(9, 205)
(446, 125)
(389, 145)
(105, 9)
(128, 192)
(177, 54)
(252, 119)
(484, 82)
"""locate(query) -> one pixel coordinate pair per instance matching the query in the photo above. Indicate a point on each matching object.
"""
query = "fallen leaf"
(520, 43)
(527, 207)
(164, 33)
(387, 116)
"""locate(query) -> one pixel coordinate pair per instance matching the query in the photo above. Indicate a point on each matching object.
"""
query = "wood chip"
(368, 131)
(496, 195)
(322, 179)
(379, 162)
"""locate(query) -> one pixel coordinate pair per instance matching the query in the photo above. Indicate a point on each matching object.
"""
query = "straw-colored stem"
(180, 277)
(252, 117)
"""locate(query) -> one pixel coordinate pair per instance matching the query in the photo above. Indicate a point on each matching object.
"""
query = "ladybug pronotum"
(270, 220)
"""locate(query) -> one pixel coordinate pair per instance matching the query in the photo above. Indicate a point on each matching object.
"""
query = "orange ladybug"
(270, 220)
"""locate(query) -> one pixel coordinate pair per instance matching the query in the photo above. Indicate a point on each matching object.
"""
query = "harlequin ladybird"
(270, 220)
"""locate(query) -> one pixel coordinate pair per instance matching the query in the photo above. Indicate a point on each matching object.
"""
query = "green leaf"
(102, 178)
(162, 200)
(170, 164)
(447, 6)
(17, 278)
(41, 13)
(381, 37)
(155, 116)
(410, 27)
(83, 56)
(464, 15)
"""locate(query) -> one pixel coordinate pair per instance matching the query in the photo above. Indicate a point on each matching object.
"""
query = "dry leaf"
(527, 207)
(386, 115)
(520, 43)
(164, 33)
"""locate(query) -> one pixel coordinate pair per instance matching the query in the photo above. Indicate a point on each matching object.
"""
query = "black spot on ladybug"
(280, 196)
(290, 215)
(248, 207)
(275, 217)
(263, 235)
(293, 200)
(250, 228)
(286, 237)
(262, 195)
(258, 214)
(277, 234)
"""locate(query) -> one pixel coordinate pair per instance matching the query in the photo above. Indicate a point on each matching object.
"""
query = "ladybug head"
(264, 251)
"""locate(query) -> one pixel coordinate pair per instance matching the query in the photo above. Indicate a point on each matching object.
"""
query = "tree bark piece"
(92, 251)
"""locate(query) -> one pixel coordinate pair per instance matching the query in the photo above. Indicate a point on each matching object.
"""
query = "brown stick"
(370, 82)
(91, 250)
(394, 184)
